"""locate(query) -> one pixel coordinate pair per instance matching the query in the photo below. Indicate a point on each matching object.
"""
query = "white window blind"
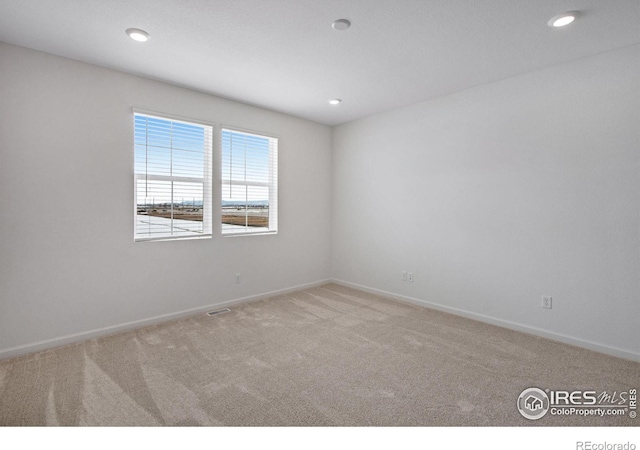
(249, 183)
(172, 178)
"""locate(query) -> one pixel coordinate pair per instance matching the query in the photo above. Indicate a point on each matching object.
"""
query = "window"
(172, 178)
(249, 183)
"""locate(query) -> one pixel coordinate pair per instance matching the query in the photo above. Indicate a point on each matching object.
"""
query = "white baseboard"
(613, 351)
(79, 337)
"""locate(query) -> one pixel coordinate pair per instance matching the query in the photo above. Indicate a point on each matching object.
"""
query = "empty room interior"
(319, 213)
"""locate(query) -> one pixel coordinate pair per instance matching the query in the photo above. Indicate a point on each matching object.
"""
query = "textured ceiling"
(283, 54)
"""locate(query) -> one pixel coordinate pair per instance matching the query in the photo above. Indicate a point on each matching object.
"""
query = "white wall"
(497, 195)
(68, 263)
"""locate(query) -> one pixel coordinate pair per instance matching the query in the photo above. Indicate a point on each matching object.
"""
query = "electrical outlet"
(546, 302)
(410, 276)
(237, 278)
(404, 275)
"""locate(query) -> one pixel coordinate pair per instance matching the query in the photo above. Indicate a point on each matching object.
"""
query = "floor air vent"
(218, 311)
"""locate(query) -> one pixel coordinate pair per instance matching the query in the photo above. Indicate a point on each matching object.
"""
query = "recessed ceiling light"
(563, 19)
(138, 35)
(335, 101)
(341, 24)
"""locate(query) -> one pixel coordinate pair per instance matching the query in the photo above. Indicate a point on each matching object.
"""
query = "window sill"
(248, 233)
(173, 238)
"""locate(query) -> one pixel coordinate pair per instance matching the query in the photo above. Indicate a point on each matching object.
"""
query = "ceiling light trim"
(564, 19)
(137, 34)
(340, 24)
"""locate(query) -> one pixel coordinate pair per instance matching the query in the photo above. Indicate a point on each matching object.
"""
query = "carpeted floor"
(326, 356)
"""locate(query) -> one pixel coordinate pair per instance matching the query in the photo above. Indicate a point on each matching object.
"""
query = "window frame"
(206, 179)
(272, 184)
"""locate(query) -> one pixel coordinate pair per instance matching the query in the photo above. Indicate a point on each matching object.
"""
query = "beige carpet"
(325, 356)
